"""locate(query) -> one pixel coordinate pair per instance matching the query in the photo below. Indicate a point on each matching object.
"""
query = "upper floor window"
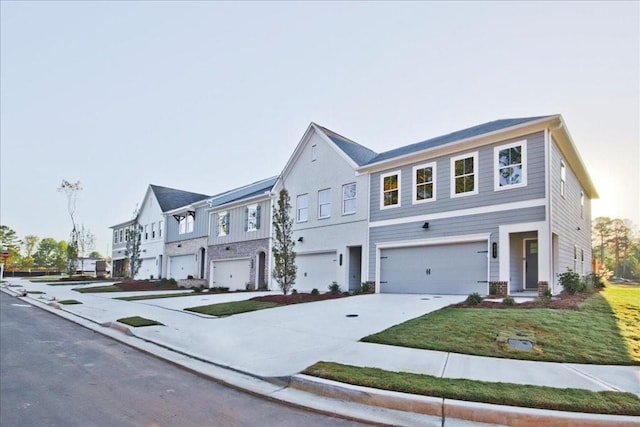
(324, 203)
(252, 218)
(349, 198)
(424, 183)
(563, 178)
(126, 234)
(390, 194)
(314, 152)
(191, 216)
(302, 207)
(160, 229)
(146, 232)
(510, 165)
(153, 230)
(115, 236)
(182, 224)
(582, 204)
(120, 233)
(464, 175)
(223, 224)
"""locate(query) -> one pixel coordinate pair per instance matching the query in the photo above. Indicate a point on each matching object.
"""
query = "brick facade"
(247, 249)
(185, 247)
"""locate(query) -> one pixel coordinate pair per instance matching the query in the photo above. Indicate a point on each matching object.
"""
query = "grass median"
(231, 308)
(528, 396)
(601, 331)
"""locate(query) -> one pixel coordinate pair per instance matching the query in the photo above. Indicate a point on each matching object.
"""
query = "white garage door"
(444, 269)
(233, 274)
(182, 266)
(315, 271)
(148, 269)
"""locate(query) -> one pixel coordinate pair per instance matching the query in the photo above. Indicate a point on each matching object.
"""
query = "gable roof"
(459, 135)
(171, 198)
(360, 154)
(245, 192)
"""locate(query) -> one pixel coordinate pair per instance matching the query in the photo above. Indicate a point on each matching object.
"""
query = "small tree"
(86, 243)
(284, 256)
(71, 190)
(132, 250)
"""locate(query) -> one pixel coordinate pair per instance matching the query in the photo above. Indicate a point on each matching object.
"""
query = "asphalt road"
(56, 373)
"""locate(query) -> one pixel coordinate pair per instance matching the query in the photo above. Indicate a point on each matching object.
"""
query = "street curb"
(456, 409)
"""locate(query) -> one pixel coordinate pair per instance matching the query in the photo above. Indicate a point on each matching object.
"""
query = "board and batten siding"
(200, 226)
(237, 220)
(487, 196)
(567, 224)
(451, 227)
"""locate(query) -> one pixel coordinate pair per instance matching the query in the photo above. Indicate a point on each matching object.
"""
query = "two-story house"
(329, 209)
(503, 201)
(239, 242)
(150, 220)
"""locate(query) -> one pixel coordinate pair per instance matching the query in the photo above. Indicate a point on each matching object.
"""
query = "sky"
(209, 96)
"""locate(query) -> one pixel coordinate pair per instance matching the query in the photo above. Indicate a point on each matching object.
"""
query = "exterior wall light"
(425, 225)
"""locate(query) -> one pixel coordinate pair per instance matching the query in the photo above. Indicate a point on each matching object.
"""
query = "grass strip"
(231, 308)
(157, 296)
(625, 304)
(98, 289)
(137, 321)
(590, 335)
(69, 302)
(528, 396)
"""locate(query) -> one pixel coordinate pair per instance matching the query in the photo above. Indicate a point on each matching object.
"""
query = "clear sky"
(208, 96)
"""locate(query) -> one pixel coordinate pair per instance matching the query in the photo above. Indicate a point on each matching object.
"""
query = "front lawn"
(592, 334)
(137, 321)
(575, 400)
(230, 308)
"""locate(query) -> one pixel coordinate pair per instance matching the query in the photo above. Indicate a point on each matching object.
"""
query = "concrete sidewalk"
(283, 341)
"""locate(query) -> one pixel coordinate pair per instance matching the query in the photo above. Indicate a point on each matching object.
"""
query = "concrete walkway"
(283, 341)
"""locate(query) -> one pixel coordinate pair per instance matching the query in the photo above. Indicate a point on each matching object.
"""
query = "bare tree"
(71, 189)
(86, 244)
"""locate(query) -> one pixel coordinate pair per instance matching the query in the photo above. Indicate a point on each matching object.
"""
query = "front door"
(531, 263)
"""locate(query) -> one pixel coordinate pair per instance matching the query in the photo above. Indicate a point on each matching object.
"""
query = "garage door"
(182, 266)
(233, 274)
(315, 271)
(443, 269)
(148, 269)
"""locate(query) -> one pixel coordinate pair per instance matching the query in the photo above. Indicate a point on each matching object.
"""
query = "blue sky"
(207, 96)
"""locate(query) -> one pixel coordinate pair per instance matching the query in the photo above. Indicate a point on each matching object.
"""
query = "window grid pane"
(465, 177)
(424, 183)
(348, 198)
(391, 190)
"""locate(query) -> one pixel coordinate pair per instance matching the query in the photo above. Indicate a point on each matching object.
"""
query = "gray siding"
(567, 222)
(447, 227)
(200, 226)
(535, 188)
(237, 231)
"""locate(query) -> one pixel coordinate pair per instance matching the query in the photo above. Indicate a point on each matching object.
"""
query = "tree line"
(616, 247)
(31, 252)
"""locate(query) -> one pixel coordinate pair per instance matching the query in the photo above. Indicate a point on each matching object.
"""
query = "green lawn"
(156, 296)
(98, 289)
(574, 400)
(69, 302)
(137, 321)
(230, 308)
(592, 334)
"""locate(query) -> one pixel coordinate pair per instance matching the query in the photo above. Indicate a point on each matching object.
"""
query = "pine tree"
(284, 256)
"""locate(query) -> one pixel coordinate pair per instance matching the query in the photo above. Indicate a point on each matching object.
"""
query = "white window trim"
(563, 179)
(496, 166)
(382, 177)
(476, 180)
(355, 199)
(190, 223)
(581, 204)
(298, 208)
(324, 204)
(414, 195)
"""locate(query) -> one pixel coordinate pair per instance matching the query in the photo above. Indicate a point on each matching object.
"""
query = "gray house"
(503, 201)
(239, 248)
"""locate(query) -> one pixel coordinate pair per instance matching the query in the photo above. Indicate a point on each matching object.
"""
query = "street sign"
(5, 254)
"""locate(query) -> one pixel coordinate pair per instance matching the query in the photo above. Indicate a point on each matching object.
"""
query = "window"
(115, 236)
(349, 198)
(153, 230)
(146, 232)
(424, 183)
(582, 261)
(252, 218)
(324, 203)
(191, 216)
(160, 229)
(182, 224)
(120, 233)
(582, 204)
(126, 234)
(314, 152)
(223, 224)
(575, 258)
(563, 178)
(464, 175)
(390, 194)
(302, 207)
(510, 166)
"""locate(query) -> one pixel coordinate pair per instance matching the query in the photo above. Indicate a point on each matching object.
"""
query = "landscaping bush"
(334, 288)
(493, 288)
(508, 301)
(365, 288)
(314, 291)
(570, 281)
(473, 299)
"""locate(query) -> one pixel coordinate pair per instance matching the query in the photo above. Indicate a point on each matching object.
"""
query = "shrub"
(314, 291)
(473, 299)
(594, 281)
(365, 288)
(172, 281)
(570, 281)
(493, 288)
(334, 288)
(508, 301)
(294, 292)
(197, 289)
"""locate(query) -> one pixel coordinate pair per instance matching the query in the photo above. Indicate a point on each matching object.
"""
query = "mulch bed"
(560, 302)
(298, 298)
(146, 285)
